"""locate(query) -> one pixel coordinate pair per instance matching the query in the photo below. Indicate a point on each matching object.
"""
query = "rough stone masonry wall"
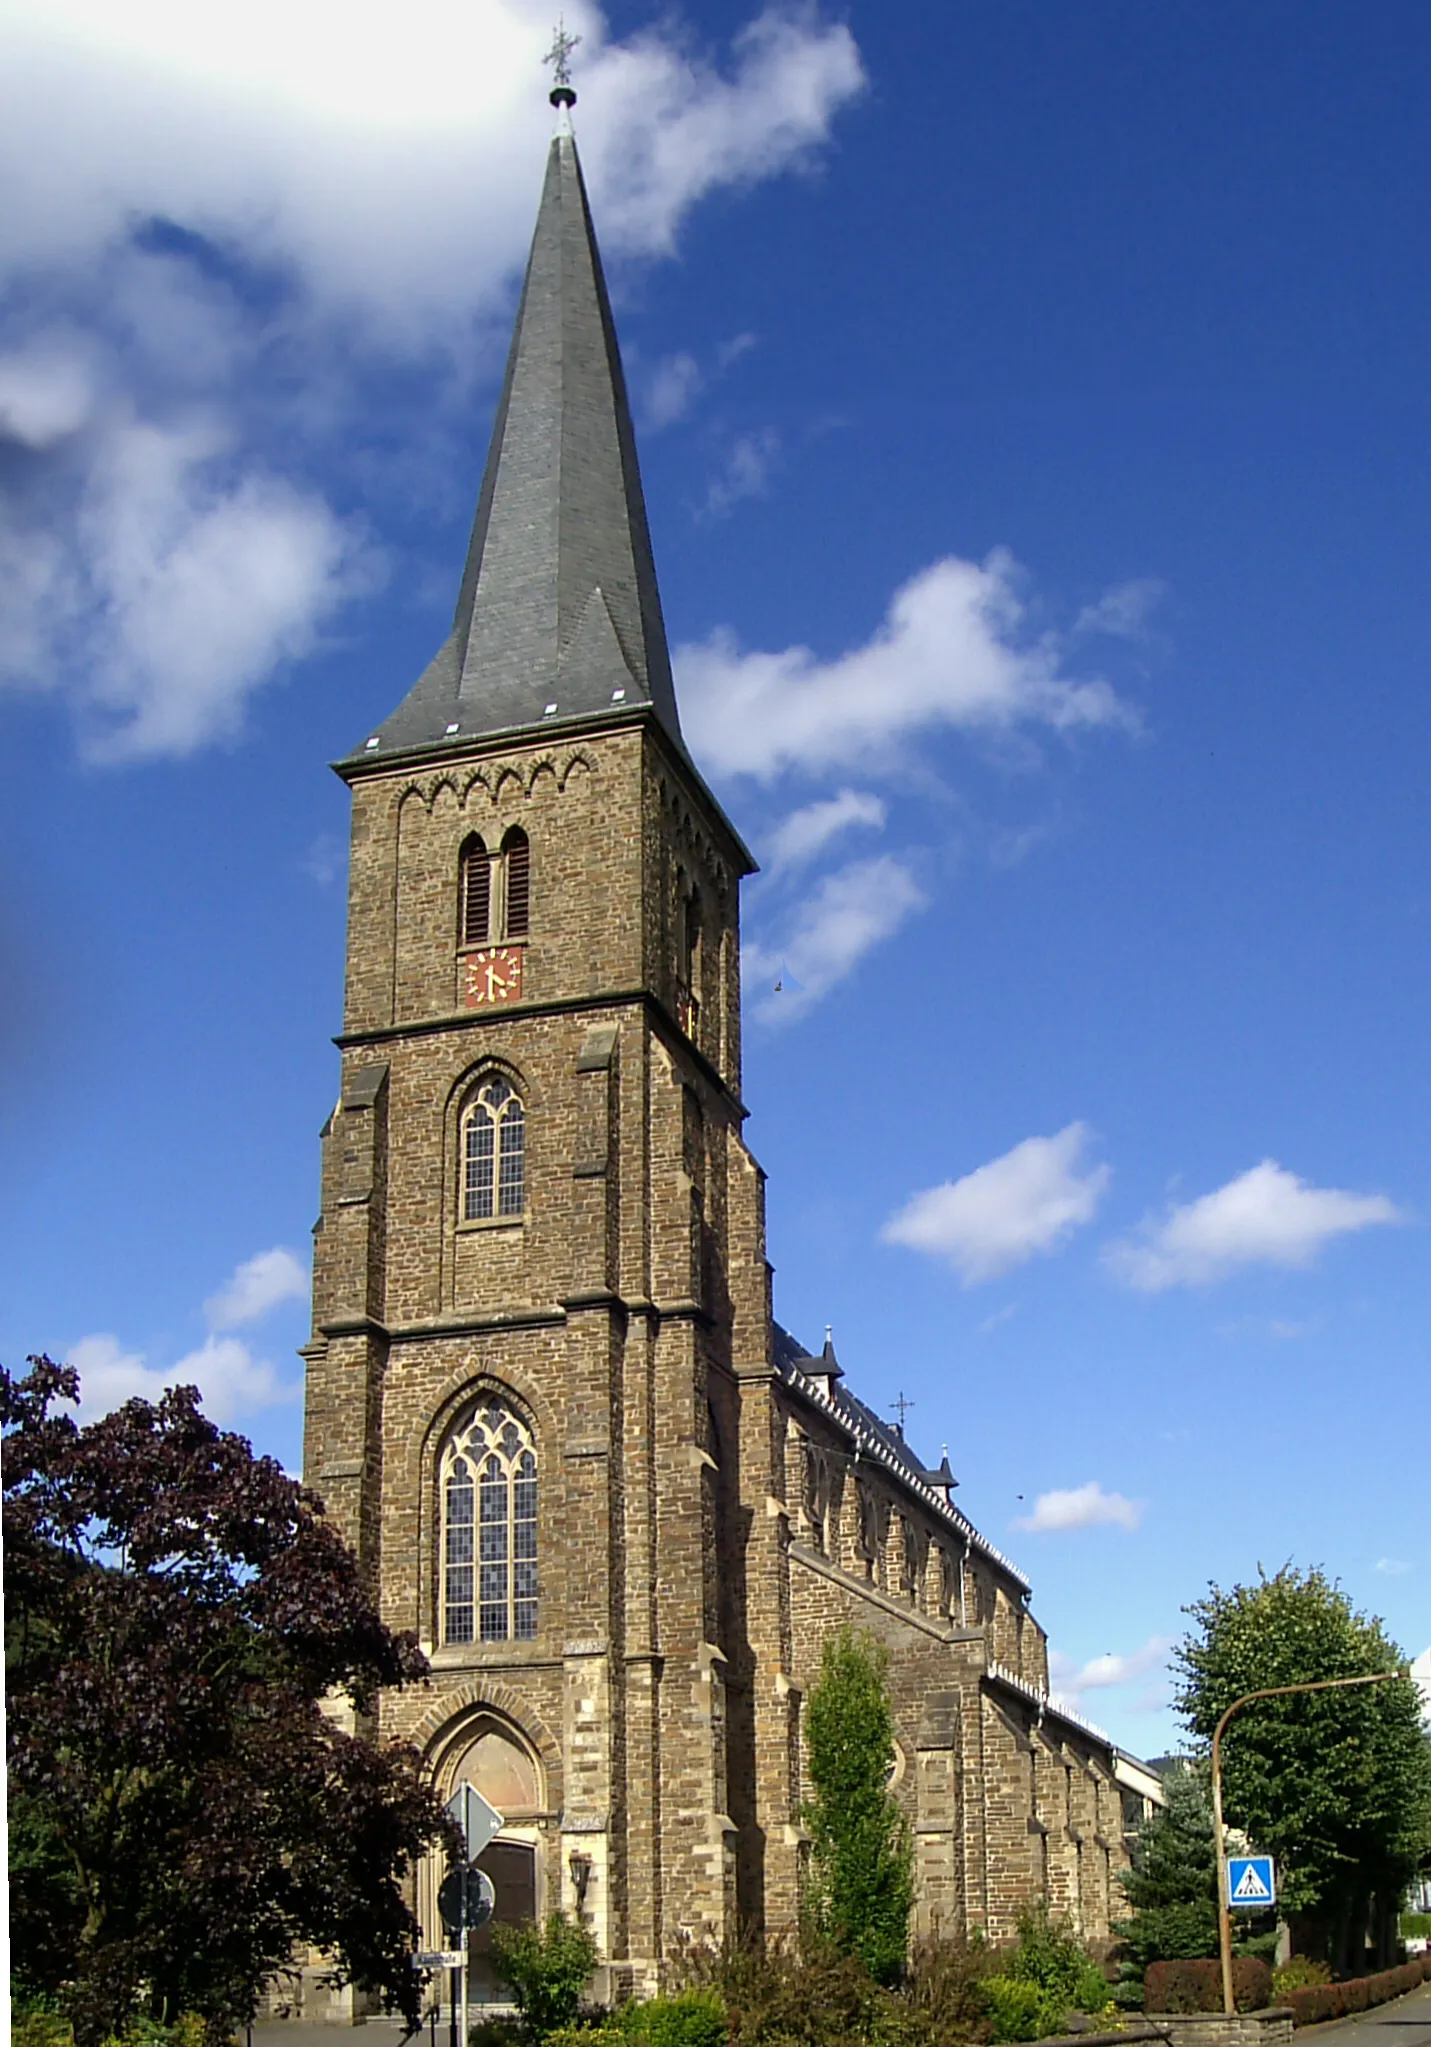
(610, 1313)
(688, 1571)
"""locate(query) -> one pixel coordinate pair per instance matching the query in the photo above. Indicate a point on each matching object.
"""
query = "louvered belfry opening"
(476, 893)
(518, 855)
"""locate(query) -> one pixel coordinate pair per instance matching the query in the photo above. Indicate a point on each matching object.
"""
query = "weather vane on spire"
(559, 57)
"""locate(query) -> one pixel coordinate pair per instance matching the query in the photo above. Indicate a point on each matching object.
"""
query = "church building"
(547, 1401)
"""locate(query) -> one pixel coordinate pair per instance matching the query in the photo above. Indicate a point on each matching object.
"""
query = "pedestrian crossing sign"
(1251, 1881)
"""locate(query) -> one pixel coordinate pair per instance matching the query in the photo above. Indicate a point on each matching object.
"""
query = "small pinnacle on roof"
(827, 1366)
(943, 1477)
(559, 57)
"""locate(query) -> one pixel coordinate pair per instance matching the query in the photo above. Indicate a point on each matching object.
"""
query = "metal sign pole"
(465, 2027)
(1224, 1913)
(452, 2007)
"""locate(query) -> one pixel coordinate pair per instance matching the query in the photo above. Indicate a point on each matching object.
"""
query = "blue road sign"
(1251, 1882)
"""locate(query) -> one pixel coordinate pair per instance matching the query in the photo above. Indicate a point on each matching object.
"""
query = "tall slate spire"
(558, 616)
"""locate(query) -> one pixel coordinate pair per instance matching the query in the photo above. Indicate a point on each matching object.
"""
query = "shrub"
(1416, 1926)
(546, 1968)
(1190, 1986)
(494, 2033)
(943, 1992)
(41, 2029)
(1300, 1973)
(1092, 1992)
(781, 1994)
(1050, 1957)
(693, 2018)
(1020, 2010)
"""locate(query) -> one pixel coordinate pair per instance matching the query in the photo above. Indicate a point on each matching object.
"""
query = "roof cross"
(902, 1407)
(559, 57)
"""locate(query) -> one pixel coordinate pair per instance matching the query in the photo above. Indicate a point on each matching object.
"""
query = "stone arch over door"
(480, 1741)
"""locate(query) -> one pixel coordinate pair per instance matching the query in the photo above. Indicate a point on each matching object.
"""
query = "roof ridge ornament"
(562, 94)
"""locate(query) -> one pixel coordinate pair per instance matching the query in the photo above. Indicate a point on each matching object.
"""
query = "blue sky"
(1034, 418)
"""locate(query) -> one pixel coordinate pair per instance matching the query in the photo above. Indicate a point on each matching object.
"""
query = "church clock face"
(492, 977)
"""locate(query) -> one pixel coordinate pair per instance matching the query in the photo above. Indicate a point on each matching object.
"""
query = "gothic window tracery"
(817, 1489)
(489, 1528)
(494, 1153)
(873, 1507)
(914, 1556)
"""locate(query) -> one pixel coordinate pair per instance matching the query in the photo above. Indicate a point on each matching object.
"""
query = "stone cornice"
(655, 1010)
(1048, 1707)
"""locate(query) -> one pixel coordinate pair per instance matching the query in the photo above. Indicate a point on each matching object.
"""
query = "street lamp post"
(1224, 1913)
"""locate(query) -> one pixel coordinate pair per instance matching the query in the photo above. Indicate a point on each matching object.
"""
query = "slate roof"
(558, 617)
(808, 1375)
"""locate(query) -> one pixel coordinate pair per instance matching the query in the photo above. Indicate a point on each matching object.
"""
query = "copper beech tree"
(182, 1809)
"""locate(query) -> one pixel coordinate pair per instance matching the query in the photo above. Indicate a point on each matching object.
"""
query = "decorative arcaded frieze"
(870, 1446)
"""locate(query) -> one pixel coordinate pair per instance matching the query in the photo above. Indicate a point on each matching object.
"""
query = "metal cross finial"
(559, 57)
(902, 1407)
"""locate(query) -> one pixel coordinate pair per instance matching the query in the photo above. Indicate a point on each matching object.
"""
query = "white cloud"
(230, 1378)
(164, 583)
(746, 472)
(1026, 1202)
(1123, 611)
(257, 1285)
(995, 1321)
(805, 833)
(1266, 1216)
(381, 189)
(393, 173)
(671, 389)
(1070, 1680)
(951, 652)
(1392, 1567)
(1085, 1506)
(45, 393)
(849, 913)
(199, 587)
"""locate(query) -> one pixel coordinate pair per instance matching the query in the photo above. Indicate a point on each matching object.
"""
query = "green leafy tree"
(180, 1622)
(1336, 1784)
(546, 1968)
(1172, 1884)
(861, 1879)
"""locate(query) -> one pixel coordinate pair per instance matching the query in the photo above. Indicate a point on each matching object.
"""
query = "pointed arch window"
(476, 893)
(494, 1153)
(495, 890)
(517, 859)
(688, 956)
(489, 1528)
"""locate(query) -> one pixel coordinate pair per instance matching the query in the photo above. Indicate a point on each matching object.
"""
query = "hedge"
(1190, 1986)
(1339, 2000)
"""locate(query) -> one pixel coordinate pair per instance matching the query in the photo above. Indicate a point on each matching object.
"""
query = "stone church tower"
(546, 1400)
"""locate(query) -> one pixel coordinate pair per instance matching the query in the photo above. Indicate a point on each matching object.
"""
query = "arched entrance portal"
(486, 1751)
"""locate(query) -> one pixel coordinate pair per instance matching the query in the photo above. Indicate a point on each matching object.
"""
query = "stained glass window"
(489, 1495)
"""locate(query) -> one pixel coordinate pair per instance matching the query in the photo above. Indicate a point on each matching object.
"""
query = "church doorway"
(512, 1866)
(487, 1752)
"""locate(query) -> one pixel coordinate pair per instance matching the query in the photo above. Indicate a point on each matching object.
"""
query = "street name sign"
(439, 1958)
(1251, 1882)
(480, 1822)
